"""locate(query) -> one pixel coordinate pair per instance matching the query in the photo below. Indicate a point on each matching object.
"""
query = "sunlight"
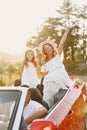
(21, 19)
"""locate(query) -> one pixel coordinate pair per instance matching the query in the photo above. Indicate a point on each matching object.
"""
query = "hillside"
(72, 68)
(10, 57)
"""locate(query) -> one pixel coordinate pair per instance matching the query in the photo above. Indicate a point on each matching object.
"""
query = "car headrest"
(17, 82)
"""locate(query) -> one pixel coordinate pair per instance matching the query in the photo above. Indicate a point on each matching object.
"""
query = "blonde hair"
(25, 62)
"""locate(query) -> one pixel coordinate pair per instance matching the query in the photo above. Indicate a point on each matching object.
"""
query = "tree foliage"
(53, 28)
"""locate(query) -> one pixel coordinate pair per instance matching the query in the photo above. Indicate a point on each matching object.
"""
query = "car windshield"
(8, 101)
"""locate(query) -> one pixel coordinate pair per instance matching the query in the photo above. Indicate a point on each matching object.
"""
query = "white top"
(31, 108)
(29, 75)
(56, 72)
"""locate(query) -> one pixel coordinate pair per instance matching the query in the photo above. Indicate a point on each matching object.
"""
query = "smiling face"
(48, 49)
(29, 55)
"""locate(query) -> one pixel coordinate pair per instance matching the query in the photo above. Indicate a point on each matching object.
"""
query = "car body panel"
(63, 107)
(65, 114)
(58, 118)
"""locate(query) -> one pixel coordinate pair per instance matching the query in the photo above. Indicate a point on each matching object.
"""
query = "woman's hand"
(66, 27)
(77, 83)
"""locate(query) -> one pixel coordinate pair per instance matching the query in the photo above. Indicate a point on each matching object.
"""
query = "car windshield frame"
(7, 96)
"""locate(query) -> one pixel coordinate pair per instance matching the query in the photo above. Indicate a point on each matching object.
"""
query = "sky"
(21, 19)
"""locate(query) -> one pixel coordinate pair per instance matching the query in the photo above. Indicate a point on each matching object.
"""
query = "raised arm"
(62, 41)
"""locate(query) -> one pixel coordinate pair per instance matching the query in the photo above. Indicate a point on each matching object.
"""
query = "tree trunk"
(72, 54)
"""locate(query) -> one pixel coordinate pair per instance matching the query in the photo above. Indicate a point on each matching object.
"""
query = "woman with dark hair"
(33, 109)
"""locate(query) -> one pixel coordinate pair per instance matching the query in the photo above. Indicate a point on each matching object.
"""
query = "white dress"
(56, 78)
(29, 76)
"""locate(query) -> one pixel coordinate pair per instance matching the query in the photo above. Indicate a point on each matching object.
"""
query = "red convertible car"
(67, 114)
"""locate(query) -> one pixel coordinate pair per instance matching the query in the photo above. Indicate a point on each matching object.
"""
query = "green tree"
(2, 83)
(53, 29)
(83, 18)
(68, 12)
(11, 68)
(49, 29)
